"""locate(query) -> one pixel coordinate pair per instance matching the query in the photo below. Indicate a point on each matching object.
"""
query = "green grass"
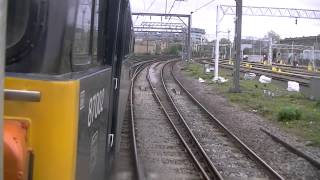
(279, 106)
(289, 113)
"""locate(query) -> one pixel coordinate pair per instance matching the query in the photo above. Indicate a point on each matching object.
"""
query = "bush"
(289, 113)
(174, 49)
(318, 103)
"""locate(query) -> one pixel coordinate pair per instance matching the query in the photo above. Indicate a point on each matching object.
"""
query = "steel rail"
(287, 70)
(289, 74)
(292, 149)
(278, 76)
(241, 144)
(138, 65)
(197, 162)
(292, 70)
(140, 175)
(207, 158)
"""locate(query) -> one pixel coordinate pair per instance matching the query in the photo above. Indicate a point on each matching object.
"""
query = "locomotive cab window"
(18, 13)
(85, 44)
(18, 29)
(95, 30)
(81, 46)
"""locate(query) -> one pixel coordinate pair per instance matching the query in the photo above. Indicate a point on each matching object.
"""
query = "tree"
(246, 51)
(224, 41)
(275, 37)
(174, 49)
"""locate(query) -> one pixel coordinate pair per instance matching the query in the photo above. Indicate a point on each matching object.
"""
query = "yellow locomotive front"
(62, 86)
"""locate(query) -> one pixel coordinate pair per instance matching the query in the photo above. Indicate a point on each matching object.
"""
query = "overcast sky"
(251, 26)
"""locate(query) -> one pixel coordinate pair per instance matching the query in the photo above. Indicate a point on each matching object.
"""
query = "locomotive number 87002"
(66, 87)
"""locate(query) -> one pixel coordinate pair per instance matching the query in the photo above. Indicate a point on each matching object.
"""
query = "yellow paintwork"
(53, 125)
(310, 68)
(276, 69)
(248, 65)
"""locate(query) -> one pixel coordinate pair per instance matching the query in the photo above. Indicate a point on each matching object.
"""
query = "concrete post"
(313, 59)
(3, 28)
(236, 73)
(189, 37)
(216, 62)
(230, 49)
(292, 56)
(270, 51)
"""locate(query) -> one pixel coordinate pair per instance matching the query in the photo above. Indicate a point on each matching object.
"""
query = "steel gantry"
(272, 12)
(162, 27)
(240, 10)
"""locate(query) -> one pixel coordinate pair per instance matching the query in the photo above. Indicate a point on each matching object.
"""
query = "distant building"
(148, 47)
(301, 54)
(197, 35)
(158, 42)
(305, 41)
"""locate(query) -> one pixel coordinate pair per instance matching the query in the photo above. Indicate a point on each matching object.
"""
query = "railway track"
(231, 157)
(158, 152)
(281, 76)
(289, 162)
(127, 163)
(285, 68)
(171, 139)
(138, 169)
(193, 147)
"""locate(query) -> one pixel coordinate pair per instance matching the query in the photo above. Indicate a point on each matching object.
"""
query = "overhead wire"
(144, 8)
(144, 5)
(172, 6)
(206, 4)
(151, 5)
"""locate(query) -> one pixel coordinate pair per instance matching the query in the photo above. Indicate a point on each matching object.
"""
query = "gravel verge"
(246, 125)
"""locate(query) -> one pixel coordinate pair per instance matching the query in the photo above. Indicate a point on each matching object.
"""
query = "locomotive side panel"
(92, 135)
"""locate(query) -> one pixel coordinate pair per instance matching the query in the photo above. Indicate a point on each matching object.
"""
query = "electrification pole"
(3, 28)
(313, 59)
(270, 51)
(165, 11)
(189, 37)
(216, 61)
(236, 70)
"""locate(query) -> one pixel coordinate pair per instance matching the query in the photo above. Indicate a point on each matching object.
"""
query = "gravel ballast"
(246, 125)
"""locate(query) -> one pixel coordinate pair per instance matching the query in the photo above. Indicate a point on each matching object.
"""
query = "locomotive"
(66, 87)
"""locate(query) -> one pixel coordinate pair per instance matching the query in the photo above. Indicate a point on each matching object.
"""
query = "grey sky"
(252, 26)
